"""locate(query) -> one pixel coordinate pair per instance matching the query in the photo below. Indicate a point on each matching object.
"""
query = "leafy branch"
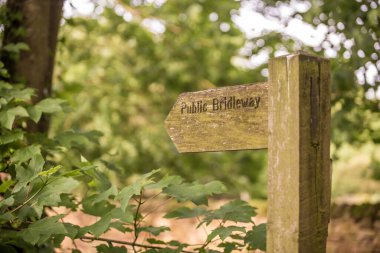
(133, 244)
(35, 175)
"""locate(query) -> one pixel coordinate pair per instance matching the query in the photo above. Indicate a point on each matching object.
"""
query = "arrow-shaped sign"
(228, 118)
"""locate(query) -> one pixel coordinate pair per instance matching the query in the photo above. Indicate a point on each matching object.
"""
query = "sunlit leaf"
(195, 192)
(50, 105)
(237, 211)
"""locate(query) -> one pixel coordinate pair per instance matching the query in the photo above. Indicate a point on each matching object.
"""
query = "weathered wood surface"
(228, 118)
(299, 173)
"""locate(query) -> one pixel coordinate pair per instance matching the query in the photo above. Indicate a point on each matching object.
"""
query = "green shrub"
(35, 178)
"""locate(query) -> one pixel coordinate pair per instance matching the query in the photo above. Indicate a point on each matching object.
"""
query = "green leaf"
(10, 137)
(238, 237)
(5, 185)
(197, 193)
(34, 114)
(153, 230)
(50, 105)
(68, 200)
(228, 247)
(120, 226)
(23, 155)
(51, 194)
(6, 217)
(186, 212)
(36, 163)
(72, 230)
(79, 172)
(155, 241)
(98, 204)
(165, 182)
(72, 139)
(16, 47)
(124, 216)
(224, 232)
(112, 191)
(41, 230)
(23, 176)
(7, 202)
(110, 249)
(20, 94)
(97, 209)
(51, 171)
(8, 117)
(256, 238)
(3, 73)
(93, 135)
(177, 244)
(101, 226)
(127, 192)
(237, 211)
(99, 180)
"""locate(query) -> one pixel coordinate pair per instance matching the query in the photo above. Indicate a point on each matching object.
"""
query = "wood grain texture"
(299, 173)
(228, 118)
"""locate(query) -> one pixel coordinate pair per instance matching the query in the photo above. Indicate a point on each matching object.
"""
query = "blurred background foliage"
(122, 63)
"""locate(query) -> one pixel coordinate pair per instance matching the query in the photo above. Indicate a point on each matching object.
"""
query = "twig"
(136, 222)
(203, 225)
(156, 208)
(29, 199)
(154, 196)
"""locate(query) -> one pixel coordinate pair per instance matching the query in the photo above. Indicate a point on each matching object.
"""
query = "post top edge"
(301, 53)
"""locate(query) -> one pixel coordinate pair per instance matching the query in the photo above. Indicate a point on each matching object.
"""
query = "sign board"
(228, 118)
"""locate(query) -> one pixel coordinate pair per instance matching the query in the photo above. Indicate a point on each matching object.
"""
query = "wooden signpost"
(291, 116)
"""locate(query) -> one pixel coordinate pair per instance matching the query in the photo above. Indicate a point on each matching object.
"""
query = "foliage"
(358, 116)
(351, 39)
(34, 183)
(129, 77)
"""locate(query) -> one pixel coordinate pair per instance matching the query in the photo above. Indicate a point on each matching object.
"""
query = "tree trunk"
(36, 23)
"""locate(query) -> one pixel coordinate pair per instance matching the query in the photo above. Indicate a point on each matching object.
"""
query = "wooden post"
(299, 175)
